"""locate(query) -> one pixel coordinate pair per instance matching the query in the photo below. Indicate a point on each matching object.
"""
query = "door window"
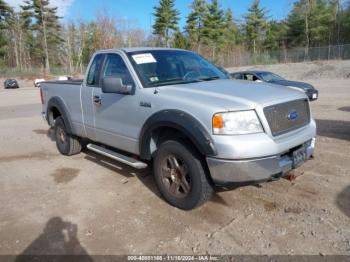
(93, 75)
(115, 67)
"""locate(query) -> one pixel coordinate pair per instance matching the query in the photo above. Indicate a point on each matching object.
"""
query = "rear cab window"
(94, 71)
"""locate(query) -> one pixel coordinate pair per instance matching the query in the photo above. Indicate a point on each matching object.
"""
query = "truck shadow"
(343, 201)
(48, 132)
(333, 128)
(344, 108)
(144, 175)
(58, 238)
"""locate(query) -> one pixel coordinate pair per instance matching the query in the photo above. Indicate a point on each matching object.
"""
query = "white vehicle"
(38, 81)
(64, 78)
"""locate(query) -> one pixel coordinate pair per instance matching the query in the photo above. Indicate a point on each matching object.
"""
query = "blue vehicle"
(11, 83)
(265, 76)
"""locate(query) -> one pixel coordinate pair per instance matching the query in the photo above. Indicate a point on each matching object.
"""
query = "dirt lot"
(86, 204)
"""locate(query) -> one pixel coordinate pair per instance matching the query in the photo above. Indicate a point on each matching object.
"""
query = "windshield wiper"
(181, 81)
(170, 82)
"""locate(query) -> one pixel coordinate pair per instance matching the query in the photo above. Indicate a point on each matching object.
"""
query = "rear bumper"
(224, 172)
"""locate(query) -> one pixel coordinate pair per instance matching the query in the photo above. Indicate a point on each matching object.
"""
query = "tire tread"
(74, 142)
(206, 188)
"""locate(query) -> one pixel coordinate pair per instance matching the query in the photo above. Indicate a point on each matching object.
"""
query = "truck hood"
(231, 94)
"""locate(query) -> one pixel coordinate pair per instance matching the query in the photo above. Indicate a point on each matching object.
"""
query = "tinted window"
(236, 76)
(167, 67)
(270, 76)
(115, 67)
(93, 75)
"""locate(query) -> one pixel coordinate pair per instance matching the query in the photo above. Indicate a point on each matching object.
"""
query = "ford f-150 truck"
(175, 110)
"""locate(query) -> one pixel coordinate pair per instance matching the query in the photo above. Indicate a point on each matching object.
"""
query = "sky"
(141, 10)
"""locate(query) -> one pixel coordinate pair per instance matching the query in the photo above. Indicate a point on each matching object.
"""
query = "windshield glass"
(169, 67)
(268, 77)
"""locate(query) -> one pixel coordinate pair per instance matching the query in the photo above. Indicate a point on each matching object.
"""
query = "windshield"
(169, 67)
(268, 77)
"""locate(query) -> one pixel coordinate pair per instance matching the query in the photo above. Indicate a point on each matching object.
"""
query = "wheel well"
(53, 114)
(162, 134)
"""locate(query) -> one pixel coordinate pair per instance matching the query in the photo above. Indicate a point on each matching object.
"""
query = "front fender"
(181, 121)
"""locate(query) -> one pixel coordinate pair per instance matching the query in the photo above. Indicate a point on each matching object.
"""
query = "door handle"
(97, 100)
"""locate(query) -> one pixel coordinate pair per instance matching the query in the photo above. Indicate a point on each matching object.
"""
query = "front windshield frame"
(146, 84)
(262, 75)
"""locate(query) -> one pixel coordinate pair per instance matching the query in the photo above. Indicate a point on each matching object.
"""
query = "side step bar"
(116, 156)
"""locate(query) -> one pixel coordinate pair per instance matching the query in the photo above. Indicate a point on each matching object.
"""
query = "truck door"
(116, 114)
(91, 82)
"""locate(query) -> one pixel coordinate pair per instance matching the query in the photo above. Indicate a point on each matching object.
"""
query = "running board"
(116, 156)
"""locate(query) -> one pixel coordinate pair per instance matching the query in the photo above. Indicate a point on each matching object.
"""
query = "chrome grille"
(285, 117)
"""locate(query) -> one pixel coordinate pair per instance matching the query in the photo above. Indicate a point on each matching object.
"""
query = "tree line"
(35, 36)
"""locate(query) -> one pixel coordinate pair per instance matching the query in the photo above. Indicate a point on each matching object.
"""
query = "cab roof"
(138, 49)
(251, 72)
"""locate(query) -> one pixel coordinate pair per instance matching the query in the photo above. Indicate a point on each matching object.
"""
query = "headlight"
(236, 123)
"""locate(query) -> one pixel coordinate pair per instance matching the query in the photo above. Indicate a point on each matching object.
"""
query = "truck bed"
(65, 82)
(69, 92)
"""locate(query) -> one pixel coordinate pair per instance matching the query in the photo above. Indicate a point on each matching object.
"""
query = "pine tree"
(166, 20)
(5, 14)
(313, 23)
(194, 23)
(255, 26)
(296, 33)
(46, 24)
(4, 11)
(231, 29)
(321, 22)
(275, 35)
(214, 27)
(344, 24)
(180, 41)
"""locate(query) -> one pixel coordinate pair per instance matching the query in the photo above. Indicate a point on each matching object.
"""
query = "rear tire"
(67, 144)
(180, 175)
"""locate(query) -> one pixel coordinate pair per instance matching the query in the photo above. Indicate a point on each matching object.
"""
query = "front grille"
(285, 117)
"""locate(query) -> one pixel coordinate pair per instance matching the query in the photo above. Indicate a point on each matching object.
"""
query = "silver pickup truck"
(173, 109)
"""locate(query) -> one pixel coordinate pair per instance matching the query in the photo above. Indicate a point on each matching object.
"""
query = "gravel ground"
(87, 204)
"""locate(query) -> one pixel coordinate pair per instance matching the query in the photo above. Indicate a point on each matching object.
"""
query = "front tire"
(67, 144)
(180, 175)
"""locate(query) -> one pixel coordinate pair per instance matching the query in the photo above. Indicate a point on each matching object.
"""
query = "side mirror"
(115, 85)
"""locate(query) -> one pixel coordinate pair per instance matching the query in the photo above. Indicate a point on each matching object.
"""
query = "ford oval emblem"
(293, 115)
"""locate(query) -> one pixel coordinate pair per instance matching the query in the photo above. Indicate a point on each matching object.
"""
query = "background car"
(265, 76)
(11, 83)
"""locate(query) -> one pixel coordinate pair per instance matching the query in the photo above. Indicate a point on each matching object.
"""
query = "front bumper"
(224, 172)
